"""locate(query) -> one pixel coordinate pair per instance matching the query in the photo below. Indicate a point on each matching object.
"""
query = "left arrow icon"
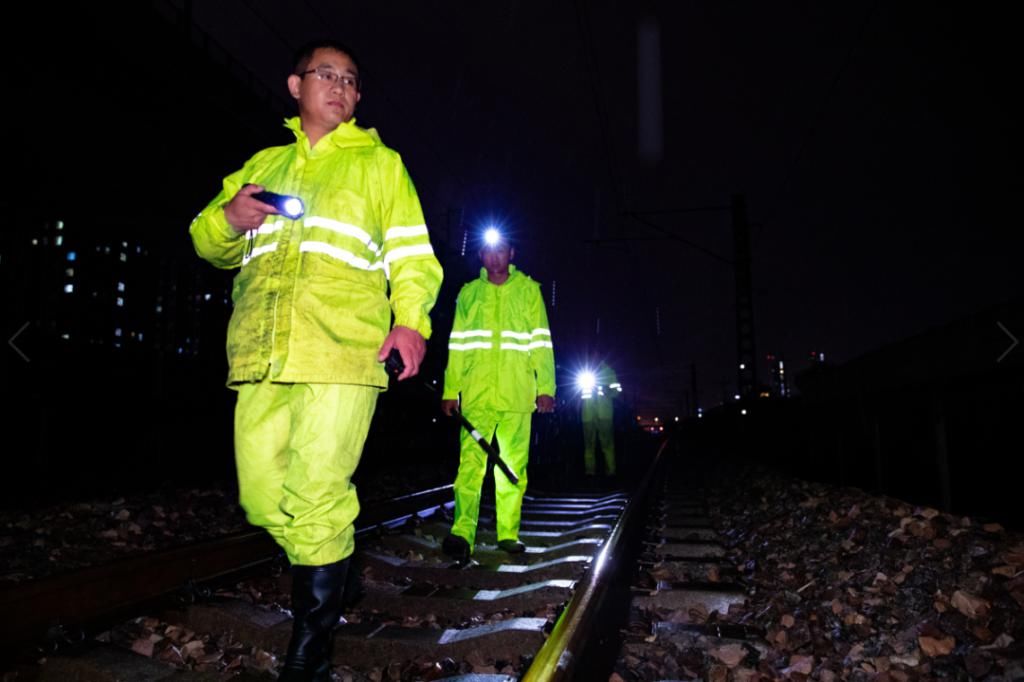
(10, 342)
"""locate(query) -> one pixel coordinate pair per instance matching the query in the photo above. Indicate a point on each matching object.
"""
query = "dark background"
(877, 148)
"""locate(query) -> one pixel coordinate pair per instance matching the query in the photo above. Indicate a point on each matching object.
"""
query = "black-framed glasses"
(334, 78)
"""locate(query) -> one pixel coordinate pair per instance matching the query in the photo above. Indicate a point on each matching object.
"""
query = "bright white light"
(293, 207)
(737, 396)
(492, 236)
(742, 366)
(677, 418)
(743, 411)
(586, 381)
(69, 288)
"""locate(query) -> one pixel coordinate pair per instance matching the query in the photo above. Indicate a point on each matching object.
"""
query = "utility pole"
(746, 361)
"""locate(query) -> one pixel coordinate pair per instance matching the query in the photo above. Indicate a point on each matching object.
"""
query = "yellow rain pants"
(296, 448)
(513, 431)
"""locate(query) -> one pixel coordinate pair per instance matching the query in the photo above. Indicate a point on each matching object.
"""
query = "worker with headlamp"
(501, 368)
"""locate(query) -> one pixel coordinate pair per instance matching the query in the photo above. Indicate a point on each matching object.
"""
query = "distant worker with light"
(501, 365)
(598, 389)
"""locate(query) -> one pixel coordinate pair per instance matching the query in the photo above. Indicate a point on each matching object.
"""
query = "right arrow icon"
(1012, 338)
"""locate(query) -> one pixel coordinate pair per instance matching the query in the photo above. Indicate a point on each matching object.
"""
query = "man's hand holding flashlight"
(245, 213)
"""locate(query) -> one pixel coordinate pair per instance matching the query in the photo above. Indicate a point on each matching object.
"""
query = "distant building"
(778, 385)
(106, 286)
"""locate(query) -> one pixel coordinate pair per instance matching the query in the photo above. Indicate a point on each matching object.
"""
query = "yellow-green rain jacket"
(311, 298)
(500, 355)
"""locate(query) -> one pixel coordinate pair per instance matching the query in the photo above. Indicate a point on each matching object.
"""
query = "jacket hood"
(345, 135)
(512, 274)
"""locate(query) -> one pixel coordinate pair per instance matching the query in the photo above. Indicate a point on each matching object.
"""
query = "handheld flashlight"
(291, 207)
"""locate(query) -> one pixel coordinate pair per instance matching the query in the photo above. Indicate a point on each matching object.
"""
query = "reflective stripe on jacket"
(500, 355)
(311, 296)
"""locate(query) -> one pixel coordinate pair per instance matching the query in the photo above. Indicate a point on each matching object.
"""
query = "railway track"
(416, 614)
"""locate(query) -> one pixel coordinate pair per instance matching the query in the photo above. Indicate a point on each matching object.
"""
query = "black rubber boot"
(317, 603)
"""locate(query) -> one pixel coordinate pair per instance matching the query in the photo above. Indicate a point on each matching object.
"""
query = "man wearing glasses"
(310, 327)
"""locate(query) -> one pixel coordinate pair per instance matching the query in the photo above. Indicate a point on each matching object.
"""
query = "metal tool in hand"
(394, 365)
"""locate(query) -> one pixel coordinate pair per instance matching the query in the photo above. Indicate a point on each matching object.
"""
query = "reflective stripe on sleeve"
(409, 231)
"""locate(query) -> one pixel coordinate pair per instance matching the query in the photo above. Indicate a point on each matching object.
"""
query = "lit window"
(69, 288)
(120, 286)
(140, 336)
(35, 242)
(60, 224)
(66, 336)
(70, 272)
(159, 309)
(117, 332)
(60, 239)
(124, 245)
(124, 257)
(206, 297)
(120, 302)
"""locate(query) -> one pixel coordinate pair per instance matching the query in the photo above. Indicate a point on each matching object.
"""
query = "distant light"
(586, 381)
(677, 418)
(492, 236)
(206, 297)
(124, 257)
(60, 239)
(434, 420)
(72, 255)
(120, 302)
(737, 396)
(743, 411)
(69, 288)
(657, 419)
(35, 242)
(70, 272)
(120, 286)
(117, 332)
(60, 224)
(781, 364)
(742, 366)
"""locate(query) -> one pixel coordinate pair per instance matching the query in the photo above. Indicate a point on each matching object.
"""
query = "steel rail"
(561, 656)
(33, 608)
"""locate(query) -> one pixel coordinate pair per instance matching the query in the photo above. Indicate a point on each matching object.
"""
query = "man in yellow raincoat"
(501, 362)
(312, 324)
(598, 388)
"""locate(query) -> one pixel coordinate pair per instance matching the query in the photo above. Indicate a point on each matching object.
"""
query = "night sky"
(877, 146)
